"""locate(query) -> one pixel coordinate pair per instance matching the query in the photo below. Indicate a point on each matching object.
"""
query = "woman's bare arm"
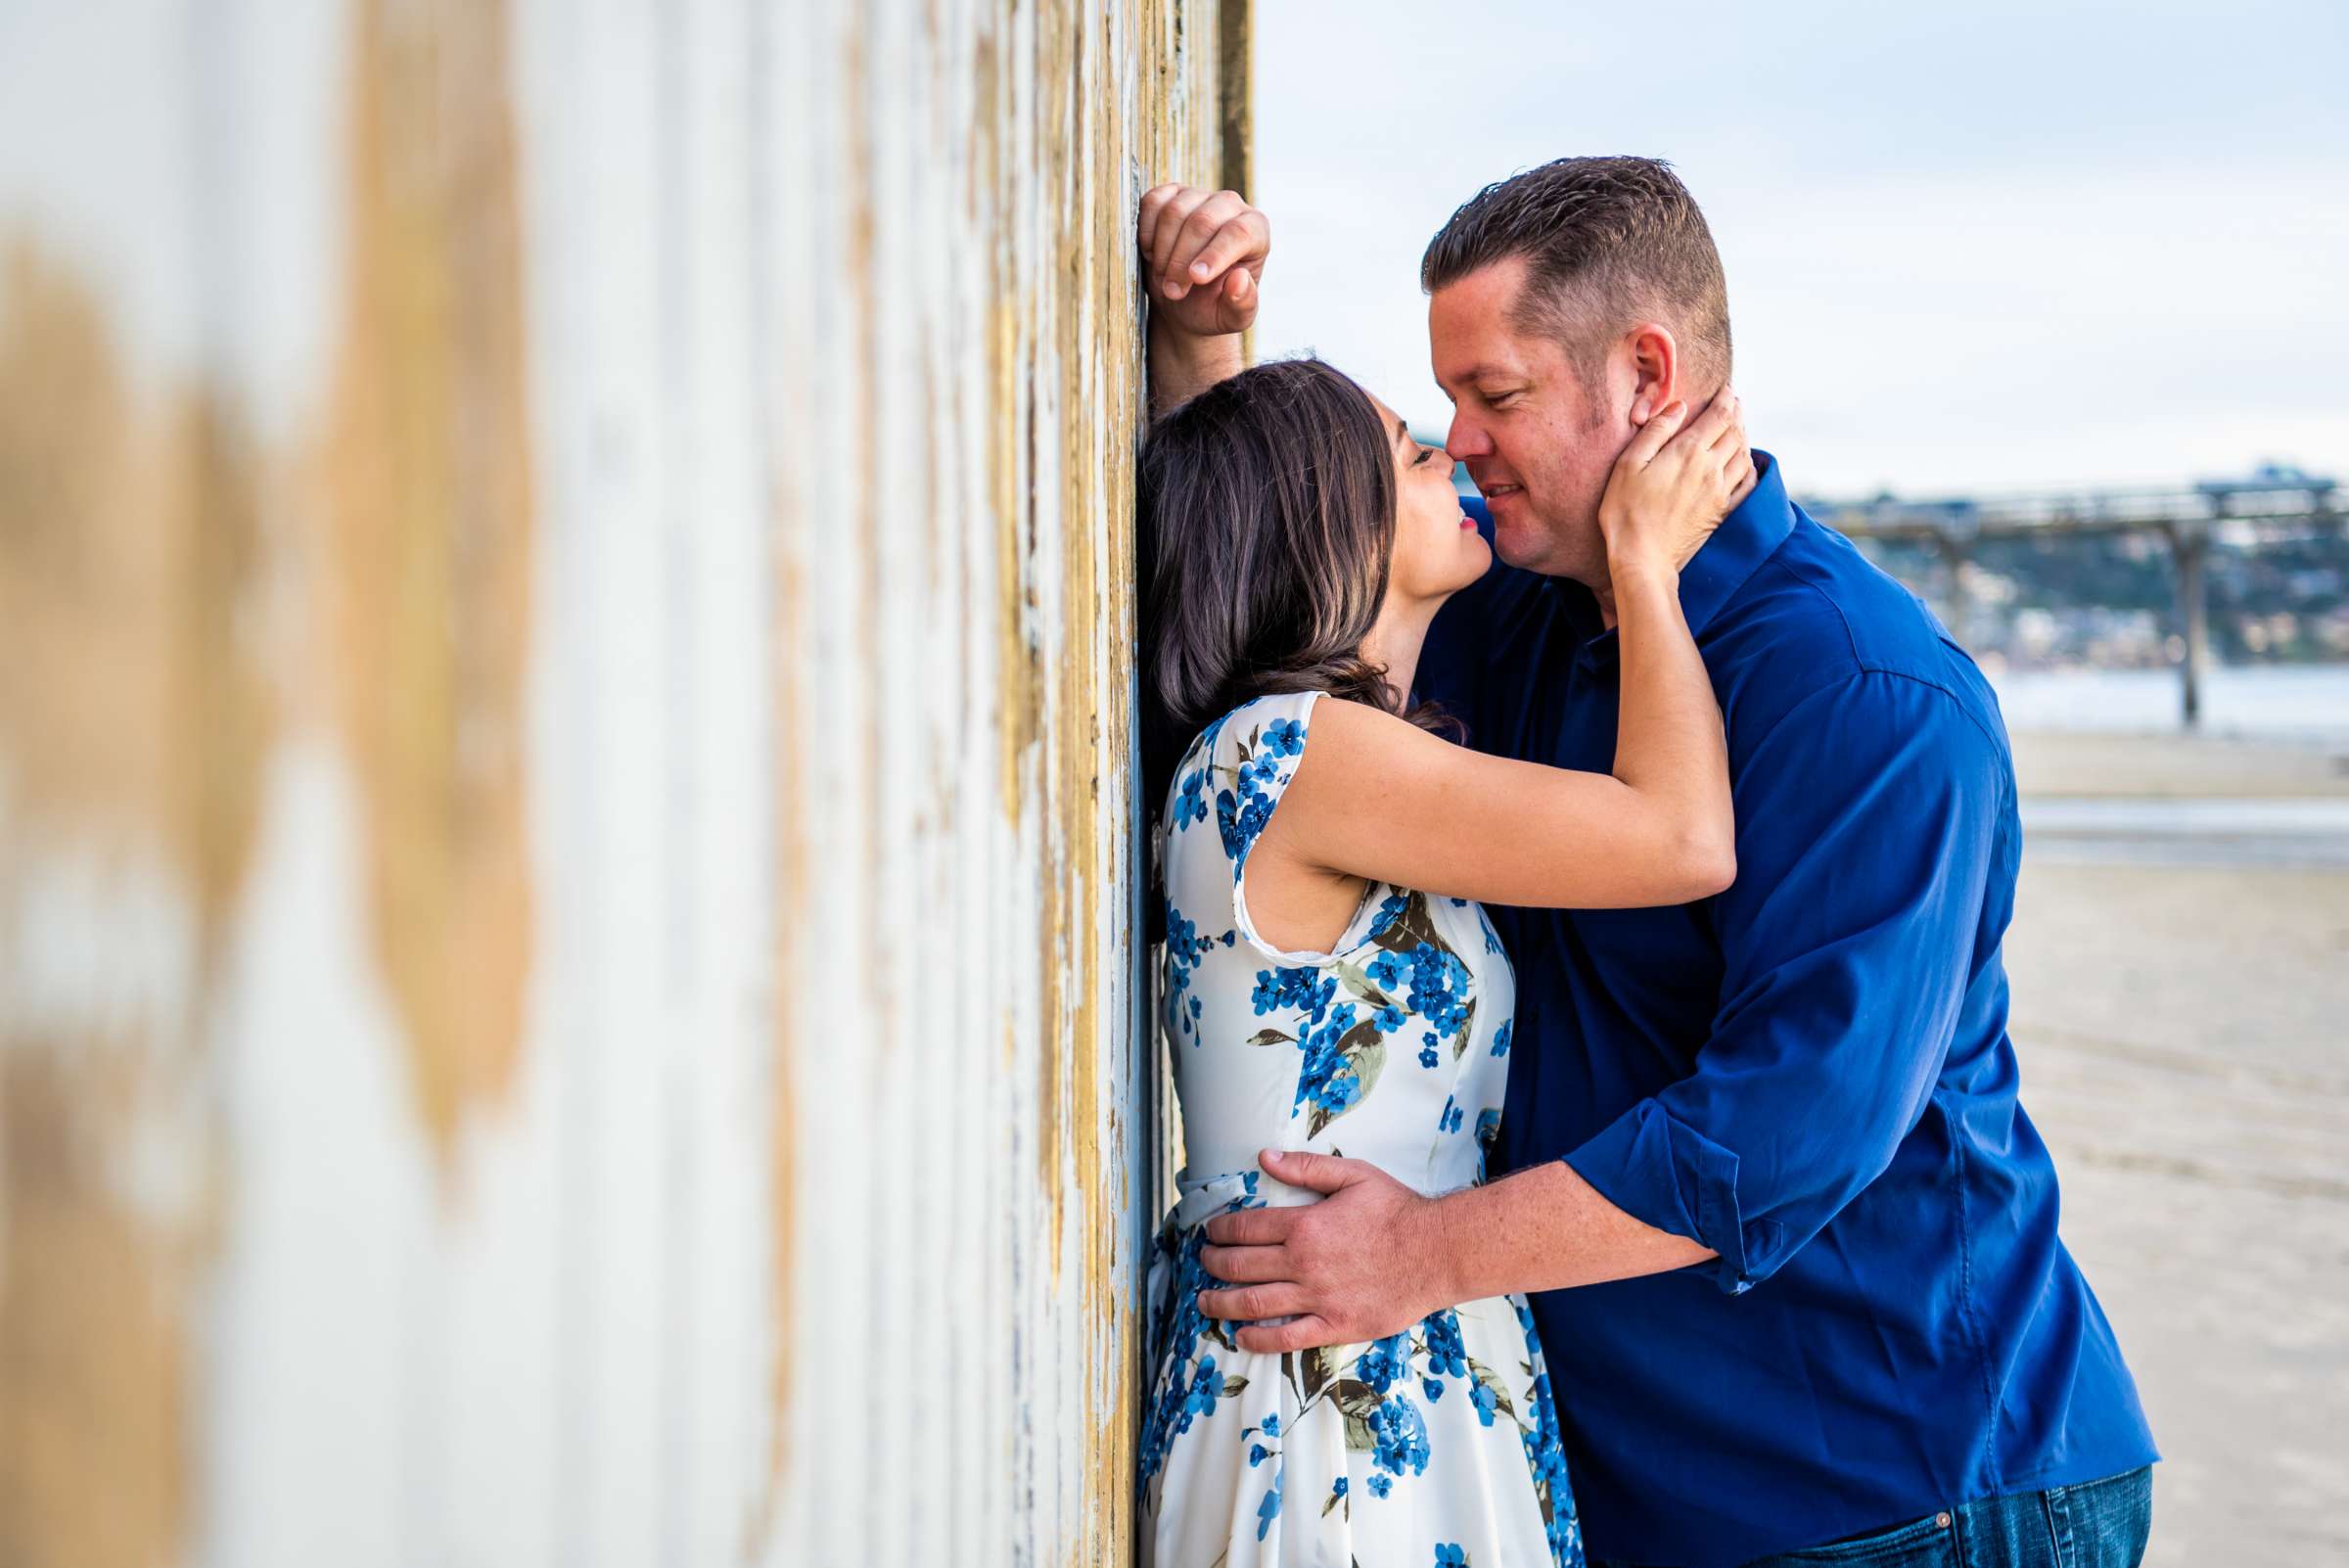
(1203, 256)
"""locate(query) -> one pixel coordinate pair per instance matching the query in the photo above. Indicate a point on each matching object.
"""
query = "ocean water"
(2310, 835)
(2290, 704)
(2275, 702)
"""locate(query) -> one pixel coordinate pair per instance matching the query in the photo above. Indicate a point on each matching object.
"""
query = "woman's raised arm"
(1377, 798)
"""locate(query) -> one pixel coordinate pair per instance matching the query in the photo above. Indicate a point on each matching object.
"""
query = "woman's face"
(1437, 549)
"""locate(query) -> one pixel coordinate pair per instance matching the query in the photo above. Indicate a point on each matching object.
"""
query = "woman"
(1327, 978)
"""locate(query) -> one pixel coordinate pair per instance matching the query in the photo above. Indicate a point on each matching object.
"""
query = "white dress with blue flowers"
(1434, 1448)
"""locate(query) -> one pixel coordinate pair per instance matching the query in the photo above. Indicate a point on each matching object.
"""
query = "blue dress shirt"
(1810, 1074)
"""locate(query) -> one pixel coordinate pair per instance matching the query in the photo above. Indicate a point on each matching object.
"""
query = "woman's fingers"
(1235, 304)
(1733, 433)
(1745, 475)
(1240, 237)
(1719, 417)
(1172, 217)
(1660, 427)
(1153, 203)
(1198, 228)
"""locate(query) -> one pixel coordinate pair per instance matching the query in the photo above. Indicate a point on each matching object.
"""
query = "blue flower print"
(1305, 989)
(1439, 988)
(1410, 979)
(1547, 1457)
(1184, 948)
(1399, 1433)
(1329, 1079)
(1191, 805)
(1446, 1351)
(1382, 1363)
(1242, 812)
(1269, 1509)
(1207, 1385)
(1182, 1399)
(1240, 824)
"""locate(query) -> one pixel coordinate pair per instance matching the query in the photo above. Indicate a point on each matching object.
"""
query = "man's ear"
(1655, 370)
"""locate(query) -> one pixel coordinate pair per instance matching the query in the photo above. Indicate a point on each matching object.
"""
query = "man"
(1790, 1238)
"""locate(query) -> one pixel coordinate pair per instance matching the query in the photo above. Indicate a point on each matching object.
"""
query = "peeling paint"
(756, 397)
(94, 1352)
(427, 489)
(133, 714)
(969, 173)
(782, 1195)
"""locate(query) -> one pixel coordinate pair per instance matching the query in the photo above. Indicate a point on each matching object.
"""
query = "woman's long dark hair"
(1266, 521)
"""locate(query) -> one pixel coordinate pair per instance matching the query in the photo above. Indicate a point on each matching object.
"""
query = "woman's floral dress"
(1435, 1447)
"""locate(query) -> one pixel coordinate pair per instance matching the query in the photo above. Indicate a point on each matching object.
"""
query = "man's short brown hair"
(1607, 242)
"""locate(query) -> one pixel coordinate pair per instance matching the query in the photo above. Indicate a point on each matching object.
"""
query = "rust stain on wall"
(1070, 110)
(428, 493)
(790, 910)
(93, 1384)
(134, 716)
(1086, 169)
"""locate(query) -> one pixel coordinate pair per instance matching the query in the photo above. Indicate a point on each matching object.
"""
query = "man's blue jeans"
(2102, 1524)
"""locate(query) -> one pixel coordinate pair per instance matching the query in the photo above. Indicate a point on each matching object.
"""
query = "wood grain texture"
(568, 875)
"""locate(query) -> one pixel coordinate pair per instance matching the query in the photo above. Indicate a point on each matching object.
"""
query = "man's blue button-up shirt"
(1809, 1074)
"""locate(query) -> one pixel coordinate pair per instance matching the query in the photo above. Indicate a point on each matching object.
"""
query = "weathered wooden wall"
(566, 872)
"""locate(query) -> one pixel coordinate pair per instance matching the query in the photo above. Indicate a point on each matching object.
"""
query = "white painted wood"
(827, 1061)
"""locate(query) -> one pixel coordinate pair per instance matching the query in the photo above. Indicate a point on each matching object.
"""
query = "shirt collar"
(1748, 536)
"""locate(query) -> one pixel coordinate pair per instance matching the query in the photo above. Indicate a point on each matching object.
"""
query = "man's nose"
(1465, 438)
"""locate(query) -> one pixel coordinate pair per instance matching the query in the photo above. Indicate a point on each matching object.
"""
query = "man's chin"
(1532, 544)
(1523, 544)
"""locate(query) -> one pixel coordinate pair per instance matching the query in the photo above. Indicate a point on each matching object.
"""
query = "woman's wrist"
(1629, 569)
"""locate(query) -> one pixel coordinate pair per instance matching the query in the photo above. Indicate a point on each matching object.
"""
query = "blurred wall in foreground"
(565, 871)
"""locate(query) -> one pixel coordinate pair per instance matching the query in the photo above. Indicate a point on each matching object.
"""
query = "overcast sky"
(1981, 246)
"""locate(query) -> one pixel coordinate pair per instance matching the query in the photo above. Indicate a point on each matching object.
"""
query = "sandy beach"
(2182, 1023)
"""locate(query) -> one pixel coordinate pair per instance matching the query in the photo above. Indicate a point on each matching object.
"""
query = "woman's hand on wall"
(1203, 257)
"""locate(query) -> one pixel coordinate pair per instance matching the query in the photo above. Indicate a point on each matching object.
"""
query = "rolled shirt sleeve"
(1867, 820)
